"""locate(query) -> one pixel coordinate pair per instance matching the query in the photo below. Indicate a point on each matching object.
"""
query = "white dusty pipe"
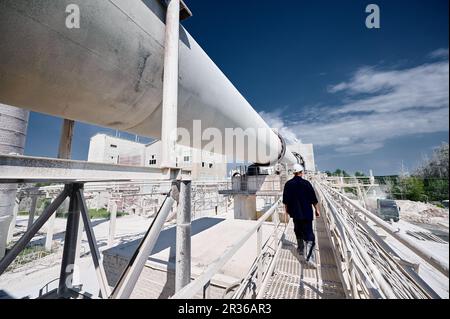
(109, 72)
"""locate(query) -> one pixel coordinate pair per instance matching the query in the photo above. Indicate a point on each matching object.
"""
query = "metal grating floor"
(294, 280)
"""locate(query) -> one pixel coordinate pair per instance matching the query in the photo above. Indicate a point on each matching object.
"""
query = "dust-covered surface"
(423, 213)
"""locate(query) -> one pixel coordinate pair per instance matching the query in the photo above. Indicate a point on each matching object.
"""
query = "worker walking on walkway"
(299, 198)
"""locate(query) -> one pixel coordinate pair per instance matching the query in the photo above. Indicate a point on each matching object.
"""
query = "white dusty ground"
(419, 212)
(27, 282)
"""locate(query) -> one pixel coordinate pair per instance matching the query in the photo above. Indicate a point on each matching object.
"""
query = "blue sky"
(367, 99)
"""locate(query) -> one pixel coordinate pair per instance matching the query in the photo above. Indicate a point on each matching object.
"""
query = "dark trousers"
(304, 230)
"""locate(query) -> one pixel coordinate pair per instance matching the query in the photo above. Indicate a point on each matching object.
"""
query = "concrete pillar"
(12, 225)
(245, 207)
(34, 199)
(112, 224)
(170, 85)
(50, 230)
(13, 128)
(183, 244)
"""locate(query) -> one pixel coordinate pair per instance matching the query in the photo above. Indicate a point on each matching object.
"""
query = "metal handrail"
(378, 273)
(363, 264)
(189, 291)
(439, 265)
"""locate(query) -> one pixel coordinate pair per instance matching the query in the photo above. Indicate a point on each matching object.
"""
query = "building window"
(113, 146)
(203, 164)
(153, 160)
(210, 165)
(187, 159)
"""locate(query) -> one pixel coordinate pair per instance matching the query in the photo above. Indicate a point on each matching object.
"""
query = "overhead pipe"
(109, 72)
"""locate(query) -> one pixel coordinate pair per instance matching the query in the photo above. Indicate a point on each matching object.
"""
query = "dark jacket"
(299, 196)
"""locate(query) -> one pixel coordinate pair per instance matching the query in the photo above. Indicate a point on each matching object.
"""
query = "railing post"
(259, 239)
(206, 290)
(276, 222)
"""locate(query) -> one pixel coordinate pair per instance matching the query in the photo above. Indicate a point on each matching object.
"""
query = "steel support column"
(70, 243)
(183, 244)
(170, 85)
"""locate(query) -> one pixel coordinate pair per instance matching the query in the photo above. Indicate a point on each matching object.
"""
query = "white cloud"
(439, 53)
(425, 86)
(275, 121)
(379, 105)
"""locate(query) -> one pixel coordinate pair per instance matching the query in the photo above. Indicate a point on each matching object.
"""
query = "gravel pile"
(423, 213)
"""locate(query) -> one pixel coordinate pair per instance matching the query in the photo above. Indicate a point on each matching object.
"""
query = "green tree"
(436, 189)
(413, 188)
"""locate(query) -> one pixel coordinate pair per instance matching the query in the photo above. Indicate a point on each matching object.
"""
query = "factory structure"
(114, 150)
(198, 164)
(167, 219)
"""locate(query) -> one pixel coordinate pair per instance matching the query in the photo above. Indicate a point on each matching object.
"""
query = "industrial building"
(108, 149)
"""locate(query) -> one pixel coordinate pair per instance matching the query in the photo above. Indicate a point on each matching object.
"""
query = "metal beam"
(130, 276)
(20, 169)
(96, 256)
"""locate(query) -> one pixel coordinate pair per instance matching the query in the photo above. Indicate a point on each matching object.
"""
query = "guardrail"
(437, 264)
(369, 267)
(204, 280)
(352, 264)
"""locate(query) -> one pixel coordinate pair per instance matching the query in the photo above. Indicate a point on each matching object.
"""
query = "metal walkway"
(292, 279)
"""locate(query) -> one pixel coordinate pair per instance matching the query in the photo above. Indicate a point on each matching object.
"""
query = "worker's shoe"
(311, 254)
